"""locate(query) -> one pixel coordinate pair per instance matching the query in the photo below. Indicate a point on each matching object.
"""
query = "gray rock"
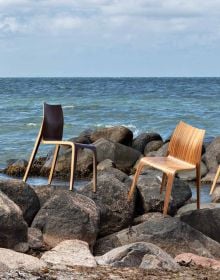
(123, 156)
(209, 177)
(23, 195)
(118, 134)
(212, 153)
(205, 220)
(12, 260)
(140, 142)
(193, 206)
(105, 164)
(13, 228)
(139, 254)
(114, 172)
(111, 197)
(191, 174)
(67, 215)
(68, 254)
(162, 152)
(168, 233)
(216, 195)
(149, 188)
(35, 238)
(153, 146)
(147, 217)
(21, 247)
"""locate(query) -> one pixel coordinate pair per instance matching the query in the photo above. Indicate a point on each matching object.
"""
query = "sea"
(141, 104)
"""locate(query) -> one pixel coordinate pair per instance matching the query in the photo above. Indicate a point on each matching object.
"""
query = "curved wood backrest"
(186, 143)
(52, 128)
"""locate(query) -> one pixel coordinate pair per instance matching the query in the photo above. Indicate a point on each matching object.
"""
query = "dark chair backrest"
(53, 121)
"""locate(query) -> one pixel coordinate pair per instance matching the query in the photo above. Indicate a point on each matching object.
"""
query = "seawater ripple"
(142, 104)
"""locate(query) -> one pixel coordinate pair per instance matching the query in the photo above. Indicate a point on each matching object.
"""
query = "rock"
(35, 238)
(123, 156)
(105, 164)
(44, 192)
(140, 142)
(23, 195)
(191, 174)
(162, 152)
(13, 228)
(139, 254)
(117, 134)
(216, 195)
(209, 178)
(188, 258)
(147, 217)
(21, 247)
(211, 155)
(205, 220)
(193, 206)
(111, 197)
(153, 146)
(148, 186)
(69, 253)
(168, 233)
(67, 215)
(14, 260)
(114, 172)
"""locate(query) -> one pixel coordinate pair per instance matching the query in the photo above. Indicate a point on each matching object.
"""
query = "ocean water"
(141, 104)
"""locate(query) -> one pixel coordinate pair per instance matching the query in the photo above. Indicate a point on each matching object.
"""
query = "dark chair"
(51, 132)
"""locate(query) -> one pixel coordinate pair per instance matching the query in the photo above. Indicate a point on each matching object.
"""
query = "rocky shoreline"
(48, 231)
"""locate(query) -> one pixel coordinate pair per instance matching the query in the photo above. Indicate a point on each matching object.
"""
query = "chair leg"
(163, 182)
(94, 171)
(33, 154)
(134, 182)
(198, 180)
(170, 178)
(57, 148)
(73, 166)
(215, 180)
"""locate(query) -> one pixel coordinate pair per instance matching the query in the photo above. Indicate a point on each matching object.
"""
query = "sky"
(109, 38)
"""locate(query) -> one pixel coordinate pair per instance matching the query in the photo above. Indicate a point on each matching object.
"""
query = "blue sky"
(109, 38)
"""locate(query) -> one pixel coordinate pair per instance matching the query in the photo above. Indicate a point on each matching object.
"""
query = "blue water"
(141, 104)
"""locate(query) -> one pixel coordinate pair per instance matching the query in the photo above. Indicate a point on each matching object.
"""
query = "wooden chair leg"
(215, 180)
(33, 154)
(94, 171)
(170, 178)
(134, 182)
(163, 182)
(56, 151)
(73, 166)
(198, 181)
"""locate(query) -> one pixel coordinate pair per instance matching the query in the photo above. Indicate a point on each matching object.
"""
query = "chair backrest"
(186, 143)
(52, 127)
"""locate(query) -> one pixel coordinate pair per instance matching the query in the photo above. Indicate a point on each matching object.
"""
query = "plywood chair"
(184, 153)
(51, 132)
(215, 180)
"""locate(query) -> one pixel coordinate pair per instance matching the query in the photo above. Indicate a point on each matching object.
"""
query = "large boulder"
(162, 152)
(140, 142)
(12, 260)
(153, 146)
(139, 254)
(205, 220)
(13, 228)
(23, 195)
(111, 197)
(118, 134)
(67, 215)
(69, 253)
(190, 175)
(193, 206)
(124, 157)
(212, 154)
(148, 186)
(168, 233)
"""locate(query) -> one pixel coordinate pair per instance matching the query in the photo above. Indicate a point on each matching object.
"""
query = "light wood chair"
(215, 180)
(184, 153)
(51, 132)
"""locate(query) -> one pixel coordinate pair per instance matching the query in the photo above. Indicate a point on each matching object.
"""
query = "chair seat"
(167, 164)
